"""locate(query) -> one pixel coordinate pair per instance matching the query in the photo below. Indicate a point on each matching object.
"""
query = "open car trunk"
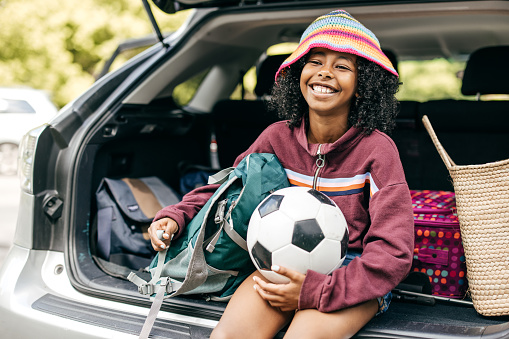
(153, 136)
(185, 137)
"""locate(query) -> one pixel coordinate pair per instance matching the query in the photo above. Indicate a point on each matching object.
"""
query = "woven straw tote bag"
(482, 198)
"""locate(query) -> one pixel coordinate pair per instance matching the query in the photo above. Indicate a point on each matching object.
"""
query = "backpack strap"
(228, 224)
(237, 238)
(104, 218)
(152, 286)
(166, 286)
(116, 270)
(221, 176)
(154, 309)
(223, 219)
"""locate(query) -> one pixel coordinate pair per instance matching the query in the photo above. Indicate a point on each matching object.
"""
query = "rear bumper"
(36, 298)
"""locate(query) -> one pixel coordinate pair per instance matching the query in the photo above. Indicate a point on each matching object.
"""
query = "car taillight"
(26, 158)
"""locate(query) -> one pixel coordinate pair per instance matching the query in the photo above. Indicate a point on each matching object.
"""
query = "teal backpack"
(211, 258)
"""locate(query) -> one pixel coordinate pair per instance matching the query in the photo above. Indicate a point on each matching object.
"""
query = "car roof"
(234, 38)
(411, 29)
(172, 6)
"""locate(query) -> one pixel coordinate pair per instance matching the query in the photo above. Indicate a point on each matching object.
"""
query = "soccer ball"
(298, 228)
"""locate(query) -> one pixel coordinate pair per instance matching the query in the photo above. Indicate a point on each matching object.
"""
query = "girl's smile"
(323, 89)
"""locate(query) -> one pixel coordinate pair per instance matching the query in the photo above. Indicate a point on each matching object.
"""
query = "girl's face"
(329, 81)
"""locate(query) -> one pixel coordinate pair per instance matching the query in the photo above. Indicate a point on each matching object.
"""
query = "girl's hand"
(168, 226)
(282, 296)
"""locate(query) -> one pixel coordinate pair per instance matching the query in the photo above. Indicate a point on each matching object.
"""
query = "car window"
(436, 79)
(15, 106)
(422, 80)
(185, 91)
(246, 89)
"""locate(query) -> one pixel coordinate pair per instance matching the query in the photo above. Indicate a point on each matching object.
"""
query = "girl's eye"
(342, 67)
(315, 62)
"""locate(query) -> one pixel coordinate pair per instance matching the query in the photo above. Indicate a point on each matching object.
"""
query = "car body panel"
(37, 294)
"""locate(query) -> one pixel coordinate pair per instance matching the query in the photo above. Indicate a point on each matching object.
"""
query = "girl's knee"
(220, 332)
(340, 324)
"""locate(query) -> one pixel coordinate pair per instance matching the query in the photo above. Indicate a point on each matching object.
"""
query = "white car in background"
(21, 109)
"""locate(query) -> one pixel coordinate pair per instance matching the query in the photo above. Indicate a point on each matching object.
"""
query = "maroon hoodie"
(363, 175)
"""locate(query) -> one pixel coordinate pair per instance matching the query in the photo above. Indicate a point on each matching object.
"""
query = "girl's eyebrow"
(347, 58)
(317, 52)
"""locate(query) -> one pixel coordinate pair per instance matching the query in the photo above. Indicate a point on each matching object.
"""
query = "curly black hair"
(375, 108)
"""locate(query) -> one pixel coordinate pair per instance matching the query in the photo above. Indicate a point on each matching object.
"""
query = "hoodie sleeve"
(185, 210)
(385, 261)
(386, 254)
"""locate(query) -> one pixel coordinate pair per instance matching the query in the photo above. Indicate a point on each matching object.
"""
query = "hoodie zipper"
(320, 162)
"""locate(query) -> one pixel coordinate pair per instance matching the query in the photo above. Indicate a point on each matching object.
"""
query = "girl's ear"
(357, 94)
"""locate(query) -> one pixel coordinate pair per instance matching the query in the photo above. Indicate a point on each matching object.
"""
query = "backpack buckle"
(145, 289)
(169, 285)
(221, 207)
(149, 289)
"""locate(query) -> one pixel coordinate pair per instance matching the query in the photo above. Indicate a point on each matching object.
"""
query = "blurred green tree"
(59, 46)
(430, 80)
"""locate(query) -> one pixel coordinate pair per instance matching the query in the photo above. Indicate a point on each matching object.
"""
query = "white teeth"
(322, 89)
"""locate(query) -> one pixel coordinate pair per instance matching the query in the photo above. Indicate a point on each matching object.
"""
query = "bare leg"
(249, 316)
(341, 324)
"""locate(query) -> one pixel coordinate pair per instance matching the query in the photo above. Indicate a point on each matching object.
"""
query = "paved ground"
(9, 200)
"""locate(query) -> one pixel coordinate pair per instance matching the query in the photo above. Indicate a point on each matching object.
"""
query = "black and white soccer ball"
(298, 228)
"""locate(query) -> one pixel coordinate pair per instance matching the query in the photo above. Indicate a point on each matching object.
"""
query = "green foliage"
(184, 92)
(60, 45)
(430, 80)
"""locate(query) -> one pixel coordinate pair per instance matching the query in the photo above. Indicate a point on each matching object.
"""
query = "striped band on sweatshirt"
(334, 186)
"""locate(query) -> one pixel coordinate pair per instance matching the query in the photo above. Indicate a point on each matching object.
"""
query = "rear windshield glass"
(15, 106)
(185, 91)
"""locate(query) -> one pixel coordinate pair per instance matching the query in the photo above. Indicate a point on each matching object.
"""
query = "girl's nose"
(325, 73)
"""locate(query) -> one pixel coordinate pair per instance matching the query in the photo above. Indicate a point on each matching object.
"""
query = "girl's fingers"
(269, 287)
(171, 228)
(270, 297)
(156, 227)
(283, 296)
(274, 300)
(290, 274)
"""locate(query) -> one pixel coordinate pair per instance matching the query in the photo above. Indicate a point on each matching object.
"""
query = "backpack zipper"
(320, 162)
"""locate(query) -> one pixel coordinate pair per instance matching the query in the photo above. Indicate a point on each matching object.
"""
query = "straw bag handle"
(443, 153)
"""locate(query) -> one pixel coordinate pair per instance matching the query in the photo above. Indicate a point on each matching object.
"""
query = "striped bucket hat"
(341, 32)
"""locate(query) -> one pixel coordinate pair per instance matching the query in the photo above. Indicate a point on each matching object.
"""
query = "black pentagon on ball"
(307, 234)
(262, 256)
(321, 197)
(270, 205)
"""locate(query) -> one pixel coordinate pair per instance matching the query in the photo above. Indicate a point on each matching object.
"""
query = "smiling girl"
(336, 92)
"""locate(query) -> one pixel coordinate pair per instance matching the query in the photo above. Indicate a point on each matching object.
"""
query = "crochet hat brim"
(339, 31)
